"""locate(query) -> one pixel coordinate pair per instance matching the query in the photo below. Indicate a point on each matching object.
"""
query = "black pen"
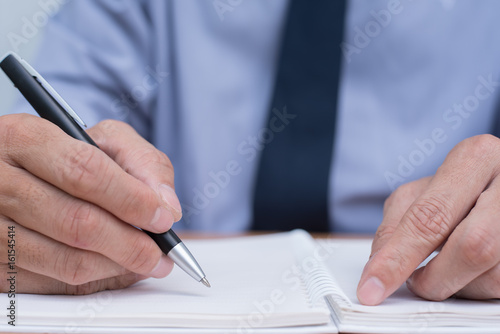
(50, 105)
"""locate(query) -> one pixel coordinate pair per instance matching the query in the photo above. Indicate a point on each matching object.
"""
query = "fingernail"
(409, 283)
(168, 196)
(371, 292)
(163, 268)
(372, 256)
(162, 221)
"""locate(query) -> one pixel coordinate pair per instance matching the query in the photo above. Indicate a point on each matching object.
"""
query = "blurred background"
(21, 27)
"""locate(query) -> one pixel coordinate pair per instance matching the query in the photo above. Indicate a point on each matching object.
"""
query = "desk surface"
(203, 235)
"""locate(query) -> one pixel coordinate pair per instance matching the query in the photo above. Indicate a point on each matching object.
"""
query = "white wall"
(21, 28)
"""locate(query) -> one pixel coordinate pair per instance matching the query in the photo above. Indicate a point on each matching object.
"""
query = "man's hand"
(458, 209)
(74, 207)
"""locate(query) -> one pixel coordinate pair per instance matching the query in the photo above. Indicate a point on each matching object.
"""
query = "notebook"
(279, 283)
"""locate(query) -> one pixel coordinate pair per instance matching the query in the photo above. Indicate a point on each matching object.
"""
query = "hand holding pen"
(74, 206)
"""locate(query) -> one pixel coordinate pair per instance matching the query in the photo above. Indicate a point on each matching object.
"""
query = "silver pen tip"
(205, 282)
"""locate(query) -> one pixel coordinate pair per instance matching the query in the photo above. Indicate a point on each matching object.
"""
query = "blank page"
(253, 286)
(403, 311)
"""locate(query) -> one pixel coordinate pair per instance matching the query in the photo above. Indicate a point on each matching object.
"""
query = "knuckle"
(142, 257)
(479, 146)
(404, 191)
(136, 203)
(389, 201)
(480, 249)
(111, 126)
(151, 157)
(22, 190)
(384, 232)
(8, 129)
(396, 262)
(74, 267)
(80, 169)
(429, 219)
(13, 123)
(81, 226)
(13, 130)
(483, 142)
(382, 235)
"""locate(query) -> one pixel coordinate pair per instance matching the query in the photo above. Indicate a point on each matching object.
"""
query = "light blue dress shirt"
(195, 78)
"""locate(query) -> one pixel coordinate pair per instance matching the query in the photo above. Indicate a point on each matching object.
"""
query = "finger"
(28, 282)
(78, 224)
(486, 286)
(394, 209)
(81, 170)
(138, 158)
(39, 254)
(472, 250)
(431, 218)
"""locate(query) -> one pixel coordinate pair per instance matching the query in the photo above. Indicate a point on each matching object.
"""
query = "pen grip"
(166, 241)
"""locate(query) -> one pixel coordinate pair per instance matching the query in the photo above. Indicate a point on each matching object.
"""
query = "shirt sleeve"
(97, 55)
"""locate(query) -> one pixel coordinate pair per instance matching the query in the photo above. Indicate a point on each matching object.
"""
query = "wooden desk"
(203, 235)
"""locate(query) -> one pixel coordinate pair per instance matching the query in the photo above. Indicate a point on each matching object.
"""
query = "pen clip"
(51, 91)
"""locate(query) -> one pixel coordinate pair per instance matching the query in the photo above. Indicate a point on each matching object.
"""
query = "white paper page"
(252, 286)
(403, 309)
(331, 329)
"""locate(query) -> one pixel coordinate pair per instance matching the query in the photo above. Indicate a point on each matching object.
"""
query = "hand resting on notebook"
(459, 209)
(73, 206)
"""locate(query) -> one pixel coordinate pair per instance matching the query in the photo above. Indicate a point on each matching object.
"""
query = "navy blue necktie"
(292, 180)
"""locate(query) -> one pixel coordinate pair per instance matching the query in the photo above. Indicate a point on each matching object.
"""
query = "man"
(195, 78)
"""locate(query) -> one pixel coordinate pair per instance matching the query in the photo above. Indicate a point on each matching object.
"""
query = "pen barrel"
(43, 103)
(166, 241)
(30, 85)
